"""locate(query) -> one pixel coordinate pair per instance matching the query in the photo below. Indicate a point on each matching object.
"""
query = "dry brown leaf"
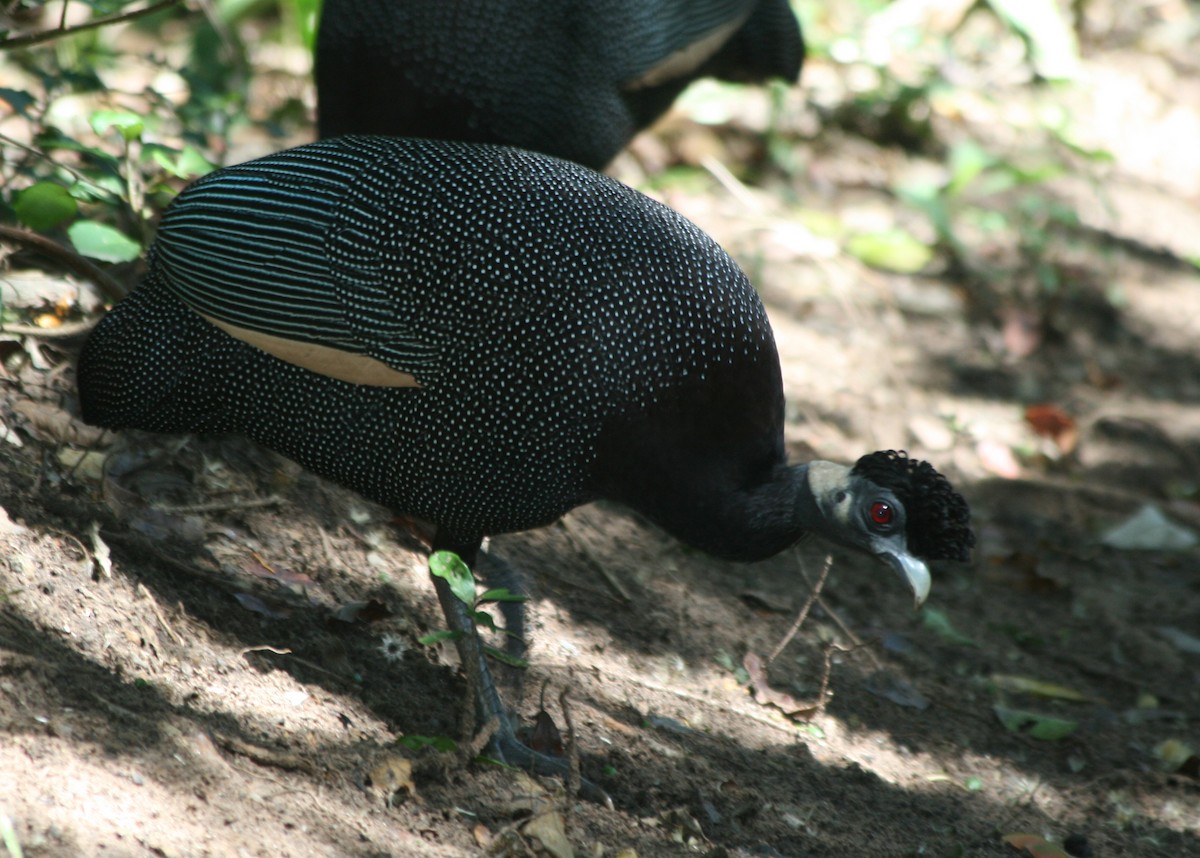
(1052, 422)
(768, 696)
(391, 775)
(53, 424)
(548, 829)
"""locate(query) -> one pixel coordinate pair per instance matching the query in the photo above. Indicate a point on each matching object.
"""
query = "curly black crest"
(939, 520)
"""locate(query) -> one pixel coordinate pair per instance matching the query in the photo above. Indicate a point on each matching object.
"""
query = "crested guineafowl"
(483, 338)
(572, 78)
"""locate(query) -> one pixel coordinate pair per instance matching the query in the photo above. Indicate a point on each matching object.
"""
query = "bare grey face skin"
(866, 517)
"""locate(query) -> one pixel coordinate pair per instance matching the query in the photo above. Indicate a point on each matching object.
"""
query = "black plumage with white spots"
(571, 78)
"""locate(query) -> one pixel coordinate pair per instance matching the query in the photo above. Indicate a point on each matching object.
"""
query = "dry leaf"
(295, 581)
(1033, 844)
(1020, 571)
(7, 525)
(998, 459)
(362, 612)
(1022, 333)
(1052, 422)
(1037, 688)
(545, 737)
(85, 465)
(258, 606)
(391, 775)
(1149, 530)
(768, 696)
(547, 828)
(100, 553)
(53, 424)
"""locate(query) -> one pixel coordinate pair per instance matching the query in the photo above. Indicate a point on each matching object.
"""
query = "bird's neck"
(747, 523)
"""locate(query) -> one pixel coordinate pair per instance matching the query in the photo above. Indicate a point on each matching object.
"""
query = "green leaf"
(1028, 685)
(187, 163)
(44, 206)
(1034, 845)
(811, 729)
(938, 622)
(1174, 754)
(105, 7)
(967, 160)
(103, 242)
(129, 124)
(449, 566)
(1035, 726)
(484, 619)
(502, 656)
(438, 743)
(306, 14)
(502, 594)
(1052, 46)
(439, 636)
(890, 250)
(8, 836)
(18, 100)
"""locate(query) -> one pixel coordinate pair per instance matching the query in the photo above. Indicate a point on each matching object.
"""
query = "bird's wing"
(275, 254)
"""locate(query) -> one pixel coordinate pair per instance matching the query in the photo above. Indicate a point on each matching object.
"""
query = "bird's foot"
(503, 745)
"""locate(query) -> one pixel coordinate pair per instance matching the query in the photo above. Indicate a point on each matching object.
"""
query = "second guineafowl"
(484, 338)
(572, 78)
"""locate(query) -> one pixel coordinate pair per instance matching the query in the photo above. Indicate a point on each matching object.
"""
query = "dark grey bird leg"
(504, 745)
(498, 572)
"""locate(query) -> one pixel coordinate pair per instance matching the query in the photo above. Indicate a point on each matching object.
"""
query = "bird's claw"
(506, 748)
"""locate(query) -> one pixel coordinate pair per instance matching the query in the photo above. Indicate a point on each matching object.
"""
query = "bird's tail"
(136, 358)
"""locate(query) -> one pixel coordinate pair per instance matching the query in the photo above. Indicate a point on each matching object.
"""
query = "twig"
(265, 648)
(69, 259)
(222, 506)
(731, 183)
(114, 709)
(69, 329)
(62, 30)
(58, 165)
(710, 703)
(481, 739)
(855, 641)
(823, 691)
(264, 756)
(803, 615)
(609, 578)
(574, 775)
(88, 558)
(310, 665)
(143, 591)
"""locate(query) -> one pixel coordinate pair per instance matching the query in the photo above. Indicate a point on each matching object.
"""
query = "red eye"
(882, 513)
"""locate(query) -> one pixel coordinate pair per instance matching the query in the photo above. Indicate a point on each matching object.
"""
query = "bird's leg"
(498, 572)
(488, 704)
(504, 744)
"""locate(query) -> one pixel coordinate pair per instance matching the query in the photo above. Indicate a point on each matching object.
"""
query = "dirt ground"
(205, 651)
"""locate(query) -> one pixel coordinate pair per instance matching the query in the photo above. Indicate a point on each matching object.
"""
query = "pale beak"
(915, 572)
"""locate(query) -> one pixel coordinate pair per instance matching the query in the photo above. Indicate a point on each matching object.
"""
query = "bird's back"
(569, 78)
(535, 303)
